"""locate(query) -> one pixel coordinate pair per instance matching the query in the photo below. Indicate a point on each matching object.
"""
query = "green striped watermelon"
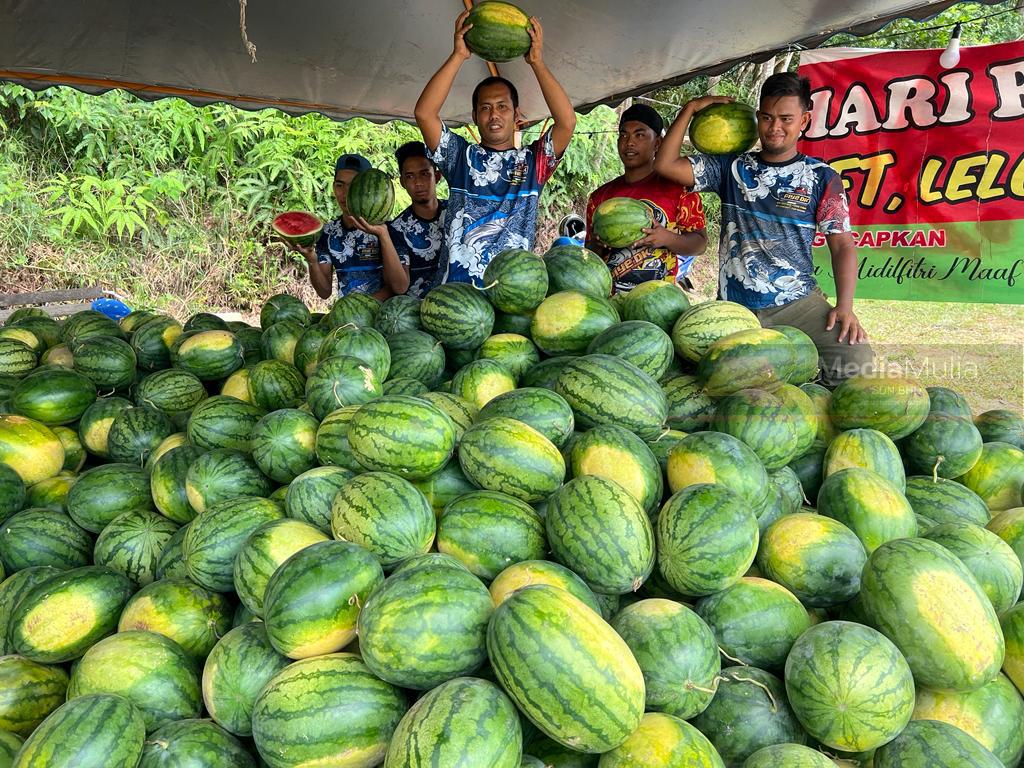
(577, 681)
(663, 740)
(331, 445)
(12, 492)
(371, 196)
(356, 308)
(575, 268)
(642, 343)
(274, 384)
(152, 342)
(132, 543)
(426, 625)
(106, 361)
(263, 552)
(499, 32)
(939, 500)
(934, 744)
(508, 323)
(53, 396)
(51, 493)
(514, 351)
(26, 336)
(193, 741)
(88, 323)
(283, 306)
(171, 564)
(551, 754)
(215, 537)
(193, 617)
(946, 446)
(927, 602)
(457, 315)
(94, 426)
(307, 349)
(455, 359)
(309, 495)
(892, 405)
(401, 434)
(545, 373)
(865, 449)
(516, 281)
(677, 652)
(849, 686)
(774, 428)
(789, 755)
(237, 668)
(444, 485)
(404, 386)
(35, 537)
(458, 409)
(417, 355)
(754, 358)
(1001, 426)
(328, 710)
(249, 339)
(715, 457)
(220, 475)
(208, 355)
(820, 398)
(707, 538)
(488, 531)
(65, 614)
(815, 557)
(662, 446)
(206, 321)
(528, 572)
(10, 744)
(398, 314)
(602, 389)
(945, 400)
(174, 392)
(16, 358)
(135, 433)
(998, 476)
(278, 341)
(365, 344)
(12, 589)
(340, 381)
(314, 597)
(480, 381)
(621, 221)
(167, 483)
(990, 559)
(703, 324)
(29, 692)
(1009, 526)
(385, 514)
(657, 301)
(544, 410)
(30, 448)
(868, 504)
(689, 407)
(568, 321)
(148, 669)
(502, 454)
(102, 493)
(283, 444)
(465, 721)
(755, 621)
(617, 454)
(100, 731)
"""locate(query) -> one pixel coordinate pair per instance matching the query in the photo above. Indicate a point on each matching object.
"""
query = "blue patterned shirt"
(355, 256)
(418, 243)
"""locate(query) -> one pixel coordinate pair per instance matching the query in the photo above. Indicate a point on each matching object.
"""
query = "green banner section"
(978, 262)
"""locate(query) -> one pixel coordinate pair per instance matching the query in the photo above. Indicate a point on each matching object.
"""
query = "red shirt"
(674, 208)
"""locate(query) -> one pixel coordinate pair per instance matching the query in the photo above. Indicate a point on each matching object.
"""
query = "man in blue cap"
(361, 255)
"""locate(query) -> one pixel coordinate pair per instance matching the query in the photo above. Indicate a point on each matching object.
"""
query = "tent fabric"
(371, 59)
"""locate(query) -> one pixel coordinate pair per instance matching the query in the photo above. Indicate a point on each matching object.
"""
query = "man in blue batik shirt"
(493, 186)
(417, 232)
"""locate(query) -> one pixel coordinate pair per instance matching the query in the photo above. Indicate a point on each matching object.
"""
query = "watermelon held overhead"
(297, 227)
(499, 31)
(724, 129)
(371, 196)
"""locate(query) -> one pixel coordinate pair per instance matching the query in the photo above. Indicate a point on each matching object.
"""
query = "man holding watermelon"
(494, 187)
(417, 232)
(773, 201)
(678, 232)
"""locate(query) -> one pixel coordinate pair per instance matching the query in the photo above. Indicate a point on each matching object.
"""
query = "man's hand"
(536, 53)
(849, 326)
(656, 237)
(378, 230)
(706, 101)
(307, 251)
(460, 48)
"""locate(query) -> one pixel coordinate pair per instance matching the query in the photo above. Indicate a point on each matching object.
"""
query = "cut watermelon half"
(298, 227)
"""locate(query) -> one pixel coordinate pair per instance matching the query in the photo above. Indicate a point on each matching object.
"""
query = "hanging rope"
(250, 47)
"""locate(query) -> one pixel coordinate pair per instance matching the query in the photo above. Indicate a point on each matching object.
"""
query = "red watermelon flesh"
(298, 227)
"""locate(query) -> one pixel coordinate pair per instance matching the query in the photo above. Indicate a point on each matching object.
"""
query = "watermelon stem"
(732, 658)
(935, 469)
(488, 287)
(762, 686)
(692, 686)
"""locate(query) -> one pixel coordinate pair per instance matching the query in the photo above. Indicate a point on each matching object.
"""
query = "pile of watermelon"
(530, 525)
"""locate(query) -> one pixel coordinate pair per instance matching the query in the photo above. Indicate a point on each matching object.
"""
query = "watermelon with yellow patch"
(661, 741)
(871, 506)
(998, 476)
(566, 322)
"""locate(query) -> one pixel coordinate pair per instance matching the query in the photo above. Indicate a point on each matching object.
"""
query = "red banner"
(933, 161)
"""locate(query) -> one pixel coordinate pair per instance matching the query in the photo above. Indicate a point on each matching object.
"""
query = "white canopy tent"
(371, 59)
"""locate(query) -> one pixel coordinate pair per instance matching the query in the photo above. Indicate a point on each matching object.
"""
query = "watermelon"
(642, 343)
(282, 307)
(544, 410)
(106, 361)
(99, 731)
(309, 495)
(945, 400)
(602, 389)
(331, 445)
(501, 454)
(171, 564)
(356, 308)
(657, 301)
(944, 501)
(499, 32)
(398, 314)
(869, 505)
(928, 603)
(817, 558)
(404, 386)
(990, 559)
(945, 446)
(662, 741)
(703, 324)
(749, 711)
(514, 351)
(307, 349)
(274, 384)
(152, 342)
(663, 444)
(894, 406)
(568, 321)
(481, 381)
(12, 491)
(181, 743)
(148, 669)
(33, 341)
(575, 268)
(94, 426)
(167, 483)
(544, 374)
(29, 692)
(551, 754)
(313, 598)
(865, 449)
(385, 514)
(74, 451)
(208, 355)
(191, 616)
(283, 444)
(516, 280)
(401, 434)
(488, 531)
(689, 407)
(339, 381)
(51, 493)
(250, 340)
(806, 366)
(102, 493)
(458, 315)
(223, 422)
(238, 667)
(1001, 426)
(992, 714)
(455, 359)
(621, 221)
(1011, 622)
(205, 321)
(30, 448)
(934, 744)
(65, 614)
(53, 396)
(505, 322)
(35, 537)
(365, 344)
(728, 128)
(998, 476)
(1009, 526)
(86, 324)
(444, 485)
(278, 341)
(12, 589)
(707, 539)
(215, 537)
(820, 398)
(715, 457)
(370, 196)
(173, 391)
(10, 744)
(789, 755)
(459, 723)
(754, 358)
(617, 454)
(220, 475)
(16, 358)
(132, 543)
(677, 652)
(773, 427)
(135, 433)
(755, 621)
(417, 355)
(577, 681)
(263, 552)
(528, 572)
(426, 625)
(297, 227)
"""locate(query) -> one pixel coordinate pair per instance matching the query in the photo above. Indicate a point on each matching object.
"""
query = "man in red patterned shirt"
(678, 231)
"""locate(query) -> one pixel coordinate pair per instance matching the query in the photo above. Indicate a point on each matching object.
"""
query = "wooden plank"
(44, 297)
(53, 310)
